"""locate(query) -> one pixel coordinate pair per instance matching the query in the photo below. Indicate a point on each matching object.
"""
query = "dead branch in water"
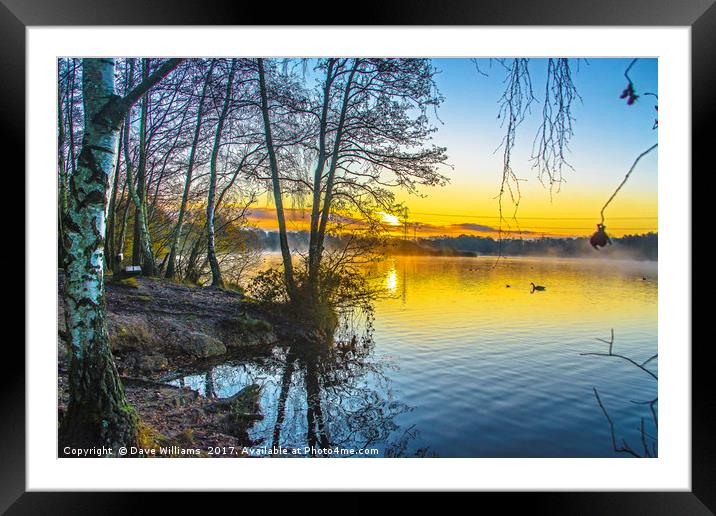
(625, 447)
(644, 435)
(611, 354)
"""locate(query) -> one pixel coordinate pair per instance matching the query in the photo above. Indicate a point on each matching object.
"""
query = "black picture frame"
(700, 15)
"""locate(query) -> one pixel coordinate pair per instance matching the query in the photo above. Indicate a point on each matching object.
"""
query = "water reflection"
(317, 397)
(484, 370)
(391, 281)
(394, 280)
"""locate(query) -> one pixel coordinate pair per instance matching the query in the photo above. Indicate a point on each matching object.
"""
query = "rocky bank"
(157, 326)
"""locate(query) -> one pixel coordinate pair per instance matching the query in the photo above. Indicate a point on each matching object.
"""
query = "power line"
(457, 215)
(525, 228)
(539, 229)
(547, 230)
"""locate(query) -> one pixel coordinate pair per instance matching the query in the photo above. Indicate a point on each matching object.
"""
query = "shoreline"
(158, 327)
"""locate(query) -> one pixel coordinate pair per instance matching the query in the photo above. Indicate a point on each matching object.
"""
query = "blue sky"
(609, 134)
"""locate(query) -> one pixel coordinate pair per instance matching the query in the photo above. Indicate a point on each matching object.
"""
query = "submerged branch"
(625, 447)
(612, 354)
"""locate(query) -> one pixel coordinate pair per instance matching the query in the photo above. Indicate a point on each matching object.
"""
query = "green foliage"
(268, 287)
(338, 289)
(131, 412)
(140, 298)
(247, 324)
(183, 281)
(234, 287)
(128, 282)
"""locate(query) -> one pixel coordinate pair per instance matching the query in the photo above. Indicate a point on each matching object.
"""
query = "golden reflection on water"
(473, 368)
(391, 281)
(433, 294)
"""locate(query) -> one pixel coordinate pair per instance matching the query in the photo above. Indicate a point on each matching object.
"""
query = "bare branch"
(626, 178)
(551, 143)
(625, 447)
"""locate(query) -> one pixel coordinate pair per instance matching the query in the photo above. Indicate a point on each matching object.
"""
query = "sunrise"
(605, 141)
(353, 256)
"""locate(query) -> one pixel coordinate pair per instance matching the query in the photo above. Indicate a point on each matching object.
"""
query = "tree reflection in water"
(319, 395)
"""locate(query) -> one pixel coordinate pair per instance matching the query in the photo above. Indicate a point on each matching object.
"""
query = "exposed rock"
(240, 411)
(148, 363)
(155, 325)
(200, 345)
(179, 323)
(171, 416)
(245, 331)
(129, 332)
(243, 403)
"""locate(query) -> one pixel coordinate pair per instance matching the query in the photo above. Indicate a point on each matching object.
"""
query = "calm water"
(459, 365)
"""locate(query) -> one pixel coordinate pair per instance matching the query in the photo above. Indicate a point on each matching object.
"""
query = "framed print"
(445, 250)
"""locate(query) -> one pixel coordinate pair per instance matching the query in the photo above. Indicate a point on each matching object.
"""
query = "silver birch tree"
(98, 413)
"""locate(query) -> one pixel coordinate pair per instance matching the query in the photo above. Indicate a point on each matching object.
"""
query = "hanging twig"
(631, 169)
(626, 72)
(551, 143)
(515, 104)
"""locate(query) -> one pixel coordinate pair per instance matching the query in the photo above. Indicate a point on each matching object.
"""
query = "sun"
(389, 219)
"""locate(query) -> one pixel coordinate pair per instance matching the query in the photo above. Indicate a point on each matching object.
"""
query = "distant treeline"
(636, 247)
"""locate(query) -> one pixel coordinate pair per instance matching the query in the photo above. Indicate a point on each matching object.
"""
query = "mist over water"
(461, 365)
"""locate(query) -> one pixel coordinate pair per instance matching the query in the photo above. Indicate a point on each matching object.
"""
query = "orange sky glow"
(430, 219)
(608, 135)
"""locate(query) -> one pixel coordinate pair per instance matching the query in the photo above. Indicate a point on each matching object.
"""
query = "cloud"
(474, 227)
(469, 226)
(270, 213)
(298, 219)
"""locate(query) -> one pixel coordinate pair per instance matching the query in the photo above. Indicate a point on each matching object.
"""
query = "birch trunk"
(317, 432)
(97, 413)
(71, 121)
(112, 215)
(142, 253)
(216, 279)
(121, 239)
(62, 180)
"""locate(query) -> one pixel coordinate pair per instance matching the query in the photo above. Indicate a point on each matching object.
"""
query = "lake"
(455, 363)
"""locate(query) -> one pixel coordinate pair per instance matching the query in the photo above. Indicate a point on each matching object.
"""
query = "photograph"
(357, 257)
